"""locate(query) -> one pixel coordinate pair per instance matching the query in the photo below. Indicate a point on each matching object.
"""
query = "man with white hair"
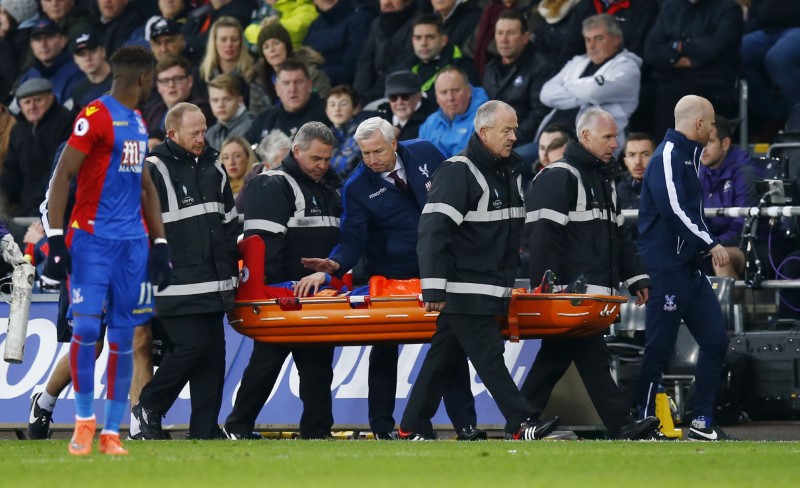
(574, 230)
(468, 249)
(674, 240)
(382, 201)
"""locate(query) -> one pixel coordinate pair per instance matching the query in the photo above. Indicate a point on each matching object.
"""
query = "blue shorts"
(111, 269)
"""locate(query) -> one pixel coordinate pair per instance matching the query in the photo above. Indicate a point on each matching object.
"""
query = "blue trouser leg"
(755, 46)
(782, 63)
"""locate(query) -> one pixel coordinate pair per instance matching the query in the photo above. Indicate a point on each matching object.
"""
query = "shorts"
(115, 270)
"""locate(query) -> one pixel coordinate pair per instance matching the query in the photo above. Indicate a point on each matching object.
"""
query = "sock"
(81, 363)
(119, 373)
(47, 401)
(701, 422)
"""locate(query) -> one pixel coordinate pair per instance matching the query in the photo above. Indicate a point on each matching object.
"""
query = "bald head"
(694, 118)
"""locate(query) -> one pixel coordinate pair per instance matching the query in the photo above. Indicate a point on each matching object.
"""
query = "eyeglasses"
(172, 81)
(402, 96)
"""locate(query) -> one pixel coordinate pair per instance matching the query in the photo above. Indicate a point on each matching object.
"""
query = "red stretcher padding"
(393, 312)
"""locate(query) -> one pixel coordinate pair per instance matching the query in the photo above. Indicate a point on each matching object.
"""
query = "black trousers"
(315, 367)
(591, 358)
(477, 337)
(197, 357)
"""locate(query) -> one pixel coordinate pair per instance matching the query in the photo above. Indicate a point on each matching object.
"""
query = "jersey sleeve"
(92, 126)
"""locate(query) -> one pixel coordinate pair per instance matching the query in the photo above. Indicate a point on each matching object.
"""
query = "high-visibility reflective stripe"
(672, 195)
(478, 289)
(433, 283)
(446, 209)
(172, 198)
(265, 225)
(324, 221)
(620, 220)
(495, 215)
(546, 213)
(192, 211)
(222, 171)
(600, 290)
(634, 279)
(299, 198)
(231, 216)
(197, 288)
(580, 204)
(588, 215)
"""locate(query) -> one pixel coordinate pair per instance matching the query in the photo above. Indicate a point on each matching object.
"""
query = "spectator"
(468, 257)
(227, 104)
(202, 18)
(338, 34)
(693, 49)
(607, 76)
(176, 10)
(483, 48)
(271, 150)
(73, 20)
(166, 38)
(449, 127)
(225, 51)
(771, 57)
(295, 16)
(174, 82)
(275, 47)
(572, 235)
(344, 111)
(119, 19)
(727, 178)
(383, 199)
(389, 34)
(308, 186)
(460, 19)
(204, 273)
(432, 53)
(673, 237)
(299, 104)
(407, 107)
(557, 30)
(90, 56)
(32, 145)
(238, 158)
(635, 17)
(7, 122)
(14, 42)
(517, 76)
(636, 155)
(53, 60)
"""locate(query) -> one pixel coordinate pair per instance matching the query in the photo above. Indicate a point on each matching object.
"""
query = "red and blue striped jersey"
(114, 140)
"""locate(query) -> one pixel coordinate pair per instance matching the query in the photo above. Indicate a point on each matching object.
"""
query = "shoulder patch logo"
(81, 127)
(91, 110)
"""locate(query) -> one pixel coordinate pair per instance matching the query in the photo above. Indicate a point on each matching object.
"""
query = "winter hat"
(20, 10)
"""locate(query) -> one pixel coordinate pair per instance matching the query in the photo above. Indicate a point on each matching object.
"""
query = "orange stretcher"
(393, 312)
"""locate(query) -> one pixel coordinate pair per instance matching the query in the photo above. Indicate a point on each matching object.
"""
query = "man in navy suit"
(383, 200)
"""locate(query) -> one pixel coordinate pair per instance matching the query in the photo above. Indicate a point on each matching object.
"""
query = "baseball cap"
(164, 26)
(32, 87)
(45, 26)
(84, 40)
(401, 82)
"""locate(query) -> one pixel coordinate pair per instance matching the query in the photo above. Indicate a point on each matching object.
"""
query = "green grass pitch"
(493, 464)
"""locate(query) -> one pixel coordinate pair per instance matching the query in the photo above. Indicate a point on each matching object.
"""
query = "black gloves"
(59, 261)
(160, 265)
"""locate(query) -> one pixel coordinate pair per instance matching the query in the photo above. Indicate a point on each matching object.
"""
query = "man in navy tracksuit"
(383, 200)
(673, 238)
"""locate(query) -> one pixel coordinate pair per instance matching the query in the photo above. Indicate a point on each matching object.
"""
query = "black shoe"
(548, 283)
(709, 434)
(149, 423)
(233, 436)
(578, 285)
(39, 420)
(385, 436)
(638, 430)
(657, 436)
(471, 433)
(414, 436)
(135, 437)
(532, 430)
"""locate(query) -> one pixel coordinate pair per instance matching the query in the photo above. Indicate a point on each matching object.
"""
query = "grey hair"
(272, 144)
(485, 116)
(603, 20)
(313, 131)
(368, 127)
(589, 118)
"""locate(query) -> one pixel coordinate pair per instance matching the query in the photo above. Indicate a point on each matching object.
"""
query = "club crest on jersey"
(76, 296)
(132, 156)
(669, 303)
(81, 126)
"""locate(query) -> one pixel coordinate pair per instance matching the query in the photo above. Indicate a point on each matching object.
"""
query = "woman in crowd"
(225, 52)
(238, 159)
(271, 151)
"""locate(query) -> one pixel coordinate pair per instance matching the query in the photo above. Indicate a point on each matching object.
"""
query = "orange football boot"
(82, 438)
(110, 444)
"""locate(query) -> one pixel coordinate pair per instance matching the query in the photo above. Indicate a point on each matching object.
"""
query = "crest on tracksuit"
(669, 303)
(424, 170)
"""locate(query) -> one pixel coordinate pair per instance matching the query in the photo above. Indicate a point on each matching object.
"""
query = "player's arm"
(151, 207)
(67, 168)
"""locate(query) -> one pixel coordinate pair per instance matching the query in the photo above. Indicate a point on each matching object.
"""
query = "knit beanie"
(274, 30)
(20, 10)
